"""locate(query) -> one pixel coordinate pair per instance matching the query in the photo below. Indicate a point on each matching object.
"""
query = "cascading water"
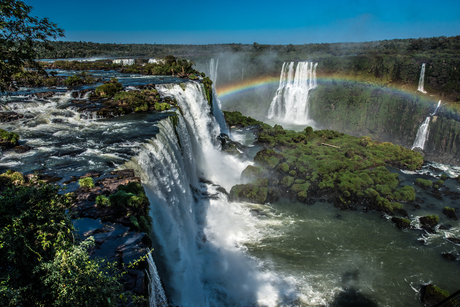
(200, 236)
(421, 81)
(157, 294)
(291, 100)
(213, 64)
(423, 131)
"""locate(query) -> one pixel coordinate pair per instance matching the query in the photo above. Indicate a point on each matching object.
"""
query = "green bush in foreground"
(86, 182)
(10, 137)
(41, 264)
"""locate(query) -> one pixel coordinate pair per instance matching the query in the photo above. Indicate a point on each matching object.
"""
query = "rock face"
(116, 228)
(387, 115)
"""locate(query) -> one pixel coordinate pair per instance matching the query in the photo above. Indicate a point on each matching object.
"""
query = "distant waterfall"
(291, 100)
(423, 131)
(199, 236)
(124, 62)
(421, 81)
(213, 64)
(217, 112)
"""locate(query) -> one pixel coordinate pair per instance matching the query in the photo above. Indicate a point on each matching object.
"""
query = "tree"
(20, 35)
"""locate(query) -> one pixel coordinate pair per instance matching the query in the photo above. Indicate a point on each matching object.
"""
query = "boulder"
(431, 294)
(22, 149)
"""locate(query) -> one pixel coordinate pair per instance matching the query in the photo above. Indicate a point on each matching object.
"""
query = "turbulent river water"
(210, 252)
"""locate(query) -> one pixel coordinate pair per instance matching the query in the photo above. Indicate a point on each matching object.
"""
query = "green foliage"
(10, 178)
(33, 228)
(249, 192)
(73, 80)
(86, 182)
(102, 200)
(20, 34)
(73, 279)
(349, 168)
(131, 195)
(109, 89)
(9, 137)
(141, 101)
(406, 193)
(238, 120)
(79, 79)
(424, 183)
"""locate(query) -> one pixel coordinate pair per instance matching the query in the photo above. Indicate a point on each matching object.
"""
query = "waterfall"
(291, 99)
(423, 131)
(212, 68)
(198, 235)
(157, 294)
(421, 81)
(124, 62)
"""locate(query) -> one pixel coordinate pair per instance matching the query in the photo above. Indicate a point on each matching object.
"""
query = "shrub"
(86, 182)
(73, 80)
(101, 200)
(108, 90)
(73, 279)
(424, 183)
(10, 137)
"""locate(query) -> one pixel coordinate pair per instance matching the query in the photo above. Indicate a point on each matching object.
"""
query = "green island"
(347, 170)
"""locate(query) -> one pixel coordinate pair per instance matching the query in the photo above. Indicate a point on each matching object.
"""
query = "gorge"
(213, 252)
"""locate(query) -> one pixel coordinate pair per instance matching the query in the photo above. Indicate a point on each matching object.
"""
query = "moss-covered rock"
(429, 220)
(431, 294)
(268, 158)
(401, 223)
(424, 183)
(450, 213)
(249, 192)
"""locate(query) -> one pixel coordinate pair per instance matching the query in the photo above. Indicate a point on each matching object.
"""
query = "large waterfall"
(199, 236)
(421, 81)
(423, 131)
(291, 100)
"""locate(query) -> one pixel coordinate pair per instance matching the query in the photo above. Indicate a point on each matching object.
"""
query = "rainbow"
(230, 90)
(239, 87)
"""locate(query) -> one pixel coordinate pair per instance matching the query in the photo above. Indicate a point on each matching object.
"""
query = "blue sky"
(265, 22)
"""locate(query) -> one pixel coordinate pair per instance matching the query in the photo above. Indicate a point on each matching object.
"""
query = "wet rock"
(450, 213)
(431, 294)
(429, 220)
(6, 117)
(449, 256)
(45, 95)
(453, 240)
(401, 223)
(22, 149)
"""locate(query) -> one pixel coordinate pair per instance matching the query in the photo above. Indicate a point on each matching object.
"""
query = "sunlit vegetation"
(345, 169)
(8, 139)
(109, 89)
(41, 263)
(80, 79)
(236, 119)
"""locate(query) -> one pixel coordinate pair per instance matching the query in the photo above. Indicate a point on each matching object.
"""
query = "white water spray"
(291, 100)
(423, 131)
(200, 235)
(421, 81)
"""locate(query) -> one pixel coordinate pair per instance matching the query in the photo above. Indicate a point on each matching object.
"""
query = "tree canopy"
(20, 34)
